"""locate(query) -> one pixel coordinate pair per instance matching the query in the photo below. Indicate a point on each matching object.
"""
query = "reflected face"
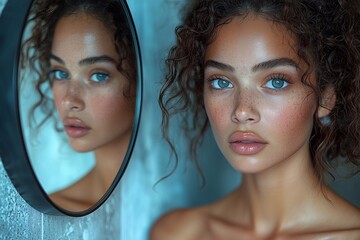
(88, 89)
(260, 112)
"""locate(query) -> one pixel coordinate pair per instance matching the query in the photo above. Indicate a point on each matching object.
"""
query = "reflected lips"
(75, 128)
(246, 143)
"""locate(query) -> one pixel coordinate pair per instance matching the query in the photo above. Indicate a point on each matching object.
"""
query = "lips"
(246, 143)
(75, 127)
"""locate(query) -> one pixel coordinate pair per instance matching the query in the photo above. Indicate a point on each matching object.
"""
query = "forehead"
(248, 41)
(82, 35)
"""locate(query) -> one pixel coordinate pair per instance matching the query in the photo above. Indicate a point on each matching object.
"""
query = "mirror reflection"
(77, 97)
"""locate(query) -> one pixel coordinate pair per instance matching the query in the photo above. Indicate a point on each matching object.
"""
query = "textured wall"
(136, 202)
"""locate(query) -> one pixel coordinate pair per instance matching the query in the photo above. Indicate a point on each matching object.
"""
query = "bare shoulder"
(341, 221)
(72, 198)
(62, 199)
(180, 224)
(349, 234)
(345, 215)
(351, 223)
(335, 233)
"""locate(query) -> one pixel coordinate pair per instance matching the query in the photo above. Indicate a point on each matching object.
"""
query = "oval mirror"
(70, 100)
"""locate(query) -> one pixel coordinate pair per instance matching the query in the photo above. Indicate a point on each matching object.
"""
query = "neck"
(280, 197)
(108, 161)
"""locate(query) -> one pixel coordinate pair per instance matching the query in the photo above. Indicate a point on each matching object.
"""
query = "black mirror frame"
(12, 145)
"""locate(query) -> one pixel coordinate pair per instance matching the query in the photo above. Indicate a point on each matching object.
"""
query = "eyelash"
(212, 79)
(55, 71)
(107, 76)
(278, 76)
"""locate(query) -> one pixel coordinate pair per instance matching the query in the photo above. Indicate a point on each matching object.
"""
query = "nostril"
(74, 107)
(72, 103)
(245, 116)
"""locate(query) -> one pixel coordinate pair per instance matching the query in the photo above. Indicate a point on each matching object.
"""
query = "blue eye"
(59, 75)
(99, 77)
(221, 84)
(276, 83)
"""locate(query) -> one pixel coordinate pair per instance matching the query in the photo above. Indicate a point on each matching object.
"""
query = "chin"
(81, 148)
(249, 166)
(249, 170)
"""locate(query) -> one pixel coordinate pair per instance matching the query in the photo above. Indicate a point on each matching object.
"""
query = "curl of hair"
(327, 37)
(36, 50)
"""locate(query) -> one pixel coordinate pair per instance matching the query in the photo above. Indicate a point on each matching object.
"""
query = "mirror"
(70, 102)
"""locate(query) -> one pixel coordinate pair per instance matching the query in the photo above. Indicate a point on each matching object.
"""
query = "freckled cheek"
(110, 109)
(291, 120)
(219, 116)
(58, 96)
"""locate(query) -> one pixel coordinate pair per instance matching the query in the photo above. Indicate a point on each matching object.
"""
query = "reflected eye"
(99, 77)
(59, 75)
(276, 83)
(221, 84)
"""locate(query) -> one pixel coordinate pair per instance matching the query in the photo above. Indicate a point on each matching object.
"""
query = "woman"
(278, 82)
(84, 50)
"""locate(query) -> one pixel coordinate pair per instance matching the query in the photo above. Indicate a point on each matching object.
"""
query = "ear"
(328, 99)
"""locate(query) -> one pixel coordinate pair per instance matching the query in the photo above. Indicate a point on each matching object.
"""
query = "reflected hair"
(36, 50)
(327, 39)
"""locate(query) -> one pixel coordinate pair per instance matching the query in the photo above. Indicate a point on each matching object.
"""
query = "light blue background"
(136, 202)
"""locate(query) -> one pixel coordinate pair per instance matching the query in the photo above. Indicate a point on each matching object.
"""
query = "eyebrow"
(87, 61)
(275, 63)
(260, 66)
(97, 59)
(56, 58)
(219, 65)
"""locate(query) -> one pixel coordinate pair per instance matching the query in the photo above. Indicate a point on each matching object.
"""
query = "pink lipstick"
(246, 143)
(75, 128)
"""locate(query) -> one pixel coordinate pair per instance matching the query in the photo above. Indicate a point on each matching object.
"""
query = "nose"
(73, 98)
(245, 107)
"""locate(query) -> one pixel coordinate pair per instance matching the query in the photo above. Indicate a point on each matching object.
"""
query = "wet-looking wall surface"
(136, 202)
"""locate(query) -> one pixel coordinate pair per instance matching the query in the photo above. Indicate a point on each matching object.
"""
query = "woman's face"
(259, 111)
(88, 89)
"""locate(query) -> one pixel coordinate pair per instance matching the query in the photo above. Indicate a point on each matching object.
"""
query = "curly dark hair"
(36, 50)
(327, 36)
